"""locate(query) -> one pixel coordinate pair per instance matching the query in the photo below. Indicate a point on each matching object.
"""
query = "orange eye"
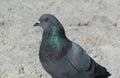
(46, 19)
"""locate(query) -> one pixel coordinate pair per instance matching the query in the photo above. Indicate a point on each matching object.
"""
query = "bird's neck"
(54, 45)
(55, 38)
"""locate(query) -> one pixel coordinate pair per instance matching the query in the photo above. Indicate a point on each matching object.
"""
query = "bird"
(63, 58)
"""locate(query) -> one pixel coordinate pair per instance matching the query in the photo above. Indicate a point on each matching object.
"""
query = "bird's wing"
(79, 59)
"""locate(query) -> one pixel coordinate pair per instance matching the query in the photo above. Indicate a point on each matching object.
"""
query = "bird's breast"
(61, 66)
(51, 54)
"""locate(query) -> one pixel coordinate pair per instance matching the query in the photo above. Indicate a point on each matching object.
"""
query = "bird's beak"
(37, 24)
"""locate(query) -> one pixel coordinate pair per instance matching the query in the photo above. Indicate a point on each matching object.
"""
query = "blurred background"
(94, 24)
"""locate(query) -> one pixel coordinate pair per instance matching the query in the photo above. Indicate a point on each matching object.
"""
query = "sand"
(94, 24)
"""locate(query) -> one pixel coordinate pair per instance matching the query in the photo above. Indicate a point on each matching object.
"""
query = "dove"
(61, 57)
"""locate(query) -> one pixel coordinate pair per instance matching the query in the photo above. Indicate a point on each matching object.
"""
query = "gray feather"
(79, 58)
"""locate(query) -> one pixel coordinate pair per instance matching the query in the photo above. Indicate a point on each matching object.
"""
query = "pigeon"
(61, 57)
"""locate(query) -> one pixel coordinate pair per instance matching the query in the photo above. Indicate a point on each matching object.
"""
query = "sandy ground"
(94, 24)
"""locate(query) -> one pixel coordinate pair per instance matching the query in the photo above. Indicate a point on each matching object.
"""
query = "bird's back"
(83, 63)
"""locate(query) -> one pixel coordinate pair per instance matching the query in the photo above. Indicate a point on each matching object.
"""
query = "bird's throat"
(56, 39)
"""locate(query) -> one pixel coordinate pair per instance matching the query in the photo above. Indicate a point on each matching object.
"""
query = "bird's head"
(47, 21)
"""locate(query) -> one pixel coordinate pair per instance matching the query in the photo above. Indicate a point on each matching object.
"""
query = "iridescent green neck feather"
(55, 39)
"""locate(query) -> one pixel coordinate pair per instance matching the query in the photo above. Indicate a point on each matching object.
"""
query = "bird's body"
(62, 58)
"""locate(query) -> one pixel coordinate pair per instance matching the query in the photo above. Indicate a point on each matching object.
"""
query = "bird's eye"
(46, 19)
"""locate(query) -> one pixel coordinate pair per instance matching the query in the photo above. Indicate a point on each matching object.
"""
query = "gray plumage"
(62, 58)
